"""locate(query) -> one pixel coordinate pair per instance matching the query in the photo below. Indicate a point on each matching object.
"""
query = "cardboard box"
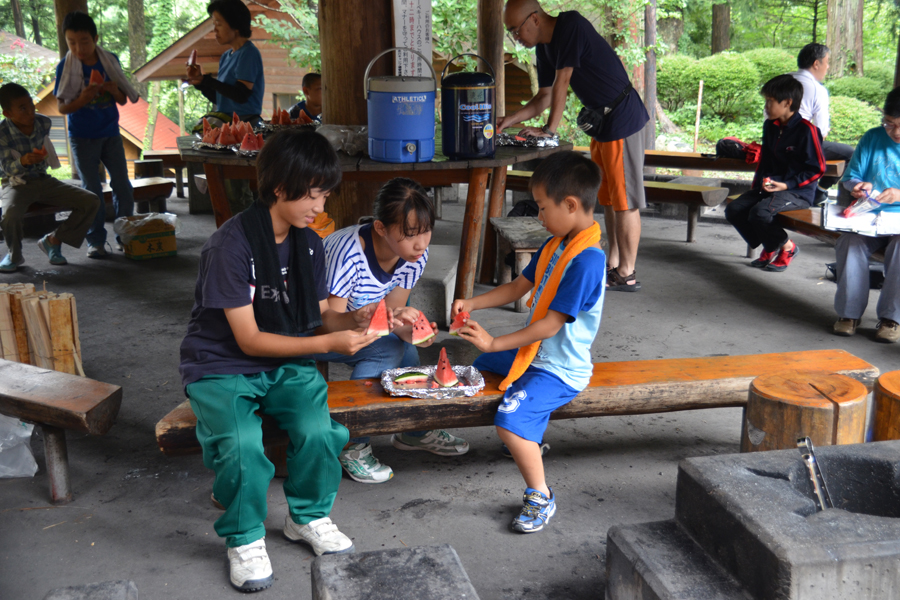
(153, 239)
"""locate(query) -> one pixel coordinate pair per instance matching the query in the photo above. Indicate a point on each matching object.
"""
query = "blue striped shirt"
(14, 141)
(349, 275)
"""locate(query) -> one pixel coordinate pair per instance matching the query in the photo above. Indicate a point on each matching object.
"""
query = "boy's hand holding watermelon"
(476, 334)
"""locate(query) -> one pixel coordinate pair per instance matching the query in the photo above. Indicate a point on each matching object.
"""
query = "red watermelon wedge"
(379, 322)
(444, 374)
(459, 321)
(192, 59)
(421, 331)
(96, 77)
(248, 144)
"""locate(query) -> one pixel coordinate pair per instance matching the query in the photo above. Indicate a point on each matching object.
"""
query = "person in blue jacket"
(790, 165)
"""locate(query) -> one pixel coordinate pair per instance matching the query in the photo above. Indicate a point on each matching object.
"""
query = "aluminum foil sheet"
(267, 128)
(470, 383)
(245, 153)
(511, 139)
(216, 147)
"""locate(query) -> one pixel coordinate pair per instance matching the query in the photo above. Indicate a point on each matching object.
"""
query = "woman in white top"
(384, 258)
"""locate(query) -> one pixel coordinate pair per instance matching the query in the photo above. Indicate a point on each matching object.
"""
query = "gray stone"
(433, 293)
(104, 590)
(432, 572)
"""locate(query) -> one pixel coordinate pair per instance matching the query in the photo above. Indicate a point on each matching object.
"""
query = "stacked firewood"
(39, 328)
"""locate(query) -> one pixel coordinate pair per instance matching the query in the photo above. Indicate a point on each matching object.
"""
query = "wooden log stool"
(887, 407)
(828, 408)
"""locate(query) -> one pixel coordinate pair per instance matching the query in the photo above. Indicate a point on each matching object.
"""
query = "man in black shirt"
(570, 52)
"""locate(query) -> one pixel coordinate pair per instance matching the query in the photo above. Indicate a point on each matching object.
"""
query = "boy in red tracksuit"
(789, 167)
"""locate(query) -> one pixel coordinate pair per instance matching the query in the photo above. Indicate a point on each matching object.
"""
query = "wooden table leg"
(693, 219)
(495, 209)
(215, 179)
(179, 181)
(57, 458)
(471, 233)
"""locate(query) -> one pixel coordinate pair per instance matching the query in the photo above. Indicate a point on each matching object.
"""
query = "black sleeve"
(238, 92)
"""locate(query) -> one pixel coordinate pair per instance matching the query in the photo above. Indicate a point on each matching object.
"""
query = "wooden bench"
(171, 159)
(616, 388)
(698, 162)
(694, 196)
(147, 190)
(523, 236)
(57, 402)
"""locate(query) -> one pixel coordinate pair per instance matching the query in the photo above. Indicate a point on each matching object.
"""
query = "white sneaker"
(96, 252)
(251, 570)
(436, 441)
(321, 535)
(362, 466)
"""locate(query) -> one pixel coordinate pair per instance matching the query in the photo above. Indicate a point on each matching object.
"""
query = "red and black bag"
(731, 147)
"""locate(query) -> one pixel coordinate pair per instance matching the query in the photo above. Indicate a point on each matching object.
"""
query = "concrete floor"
(143, 516)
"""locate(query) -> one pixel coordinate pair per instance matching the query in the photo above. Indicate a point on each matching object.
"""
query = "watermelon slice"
(444, 374)
(206, 127)
(421, 331)
(227, 136)
(248, 144)
(211, 136)
(459, 321)
(259, 140)
(379, 322)
(96, 77)
(235, 119)
(413, 379)
(41, 151)
(192, 59)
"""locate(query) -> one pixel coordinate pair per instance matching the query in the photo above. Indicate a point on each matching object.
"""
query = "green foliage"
(771, 62)
(677, 77)
(31, 73)
(300, 37)
(712, 128)
(865, 89)
(850, 119)
(880, 72)
(729, 84)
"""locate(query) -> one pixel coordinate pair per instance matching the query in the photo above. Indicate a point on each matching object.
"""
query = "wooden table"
(219, 166)
(171, 159)
(696, 161)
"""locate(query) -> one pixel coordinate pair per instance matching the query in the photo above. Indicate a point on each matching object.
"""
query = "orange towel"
(583, 240)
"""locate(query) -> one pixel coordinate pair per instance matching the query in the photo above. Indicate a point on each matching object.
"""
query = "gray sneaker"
(888, 331)
(362, 466)
(845, 327)
(436, 441)
(96, 252)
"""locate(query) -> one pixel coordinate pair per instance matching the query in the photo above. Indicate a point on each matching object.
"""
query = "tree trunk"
(137, 41)
(670, 30)
(18, 19)
(897, 66)
(151, 117)
(351, 33)
(843, 27)
(490, 46)
(36, 24)
(180, 92)
(650, 71)
(721, 27)
(64, 7)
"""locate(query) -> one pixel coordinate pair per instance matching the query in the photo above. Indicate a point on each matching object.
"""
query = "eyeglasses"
(513, 34)
(889, 126)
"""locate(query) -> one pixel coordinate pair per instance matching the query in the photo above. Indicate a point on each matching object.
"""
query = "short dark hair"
(398, 200)
(235, 13)
(10, 92)
(784, 87)
(79, 21)
(810, 53)
(568, 173)
(296, 161)
(892, 103)
(309, 79)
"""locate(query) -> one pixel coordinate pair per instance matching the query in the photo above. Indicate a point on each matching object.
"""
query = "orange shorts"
(622, 164)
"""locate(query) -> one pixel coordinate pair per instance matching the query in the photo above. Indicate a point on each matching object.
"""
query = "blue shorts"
(528, 402)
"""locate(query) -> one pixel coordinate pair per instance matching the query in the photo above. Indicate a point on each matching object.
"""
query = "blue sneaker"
(53, 251)
(7, 265)
(536, 511)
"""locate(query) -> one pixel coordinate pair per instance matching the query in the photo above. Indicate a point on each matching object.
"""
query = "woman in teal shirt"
(240, 86)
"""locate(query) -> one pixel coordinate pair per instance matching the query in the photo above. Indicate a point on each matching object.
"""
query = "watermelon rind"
(459, 321)
(411, 377)
(421, 331)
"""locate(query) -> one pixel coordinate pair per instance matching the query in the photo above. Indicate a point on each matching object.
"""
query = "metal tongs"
(821, 495)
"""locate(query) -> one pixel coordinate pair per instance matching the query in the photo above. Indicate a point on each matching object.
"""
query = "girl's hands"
(476, 334)
(363, 316)
(405, 315)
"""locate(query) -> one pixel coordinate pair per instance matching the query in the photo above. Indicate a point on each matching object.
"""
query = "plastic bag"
(867, 203)
(16, 459)
(352, 139)
(128, 228)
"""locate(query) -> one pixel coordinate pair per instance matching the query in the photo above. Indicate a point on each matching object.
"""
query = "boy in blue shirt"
(789, 167)
(24, 139)
(312, 102)
(94, 120)
(260, 310)
(874, 170)
(547, 363)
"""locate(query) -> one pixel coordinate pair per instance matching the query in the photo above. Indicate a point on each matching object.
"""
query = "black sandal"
(617, 283)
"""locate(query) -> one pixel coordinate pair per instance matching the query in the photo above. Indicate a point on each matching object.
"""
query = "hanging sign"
(412, 29)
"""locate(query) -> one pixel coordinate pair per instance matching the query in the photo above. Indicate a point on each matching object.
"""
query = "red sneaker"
(765, 258)
(784, 259)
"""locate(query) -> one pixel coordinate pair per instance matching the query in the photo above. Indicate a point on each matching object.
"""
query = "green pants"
(230, 432)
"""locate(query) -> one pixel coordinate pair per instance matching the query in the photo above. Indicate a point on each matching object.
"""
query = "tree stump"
(887, 407)
(828, 408)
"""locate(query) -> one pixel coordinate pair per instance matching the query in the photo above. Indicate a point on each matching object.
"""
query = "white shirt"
(814, 107)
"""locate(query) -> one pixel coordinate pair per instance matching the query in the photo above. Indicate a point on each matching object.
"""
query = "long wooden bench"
(147, 190)
(694, 196)
(171, 159)
(616, 388)
(698, 162)
(57, 402)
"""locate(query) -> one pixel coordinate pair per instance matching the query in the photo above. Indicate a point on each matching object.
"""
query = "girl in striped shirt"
(384, 258)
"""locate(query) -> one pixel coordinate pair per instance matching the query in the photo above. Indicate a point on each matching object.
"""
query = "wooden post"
(490, 46)
(650, 71)
(57, 457)
(697, 122)
(887, 407)
(351, 33)
(64, 7)
(828, 408)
